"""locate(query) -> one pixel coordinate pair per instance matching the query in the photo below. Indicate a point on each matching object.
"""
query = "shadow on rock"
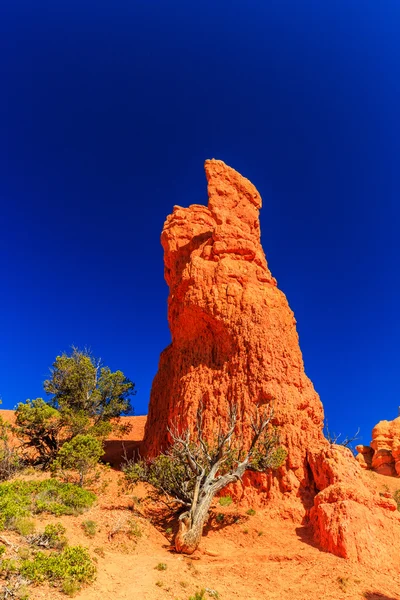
(305, 534)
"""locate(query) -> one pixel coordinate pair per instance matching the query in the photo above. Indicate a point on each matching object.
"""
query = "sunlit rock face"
(234, 336)
(234, 340)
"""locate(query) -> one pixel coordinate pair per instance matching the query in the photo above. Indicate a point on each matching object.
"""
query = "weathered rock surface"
(385, 448)
(234, 336)
(364, 456)
(234, 339)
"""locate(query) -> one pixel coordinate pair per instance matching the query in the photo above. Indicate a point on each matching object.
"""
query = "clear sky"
(107, 113)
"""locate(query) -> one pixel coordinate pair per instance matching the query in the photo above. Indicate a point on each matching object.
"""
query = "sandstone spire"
(234, 336)
(234, 339)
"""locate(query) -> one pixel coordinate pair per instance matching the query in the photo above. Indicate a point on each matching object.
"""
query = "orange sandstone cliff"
(234, 339)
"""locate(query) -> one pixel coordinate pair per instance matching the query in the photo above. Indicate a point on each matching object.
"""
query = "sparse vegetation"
(335, 438)
(68, 569)
(10, 461)
(53, 536)
(22, 498)
(89, 528)
(200, 595)
(81, 454)
(161, 567)
(251, 512)
(396, 498)
(225, 501)
(134, 529)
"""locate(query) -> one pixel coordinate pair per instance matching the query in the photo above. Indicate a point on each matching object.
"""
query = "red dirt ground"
(246, 557)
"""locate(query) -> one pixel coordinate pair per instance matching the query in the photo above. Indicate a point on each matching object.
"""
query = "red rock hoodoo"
(383, 455)
(234, 339)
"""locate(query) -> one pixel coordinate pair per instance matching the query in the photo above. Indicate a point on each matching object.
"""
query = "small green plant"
(225, 501)
(220, 518)
(396, 498)
(159, 583)
(343, 583)
(14, 589)
(200, 595)
(89, 528)
(2, 549)
(260, 533)
(251, 512)
(81, 454)
(134, 529)
(246, 531)
(212, 593)
(161, 567)
(24, 526)
(52, 537)
(168, 531)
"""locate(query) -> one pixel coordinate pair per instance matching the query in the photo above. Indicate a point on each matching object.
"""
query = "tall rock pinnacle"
(234, 340)
(234, 336)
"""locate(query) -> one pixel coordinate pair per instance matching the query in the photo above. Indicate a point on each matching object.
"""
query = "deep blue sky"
(107, 112)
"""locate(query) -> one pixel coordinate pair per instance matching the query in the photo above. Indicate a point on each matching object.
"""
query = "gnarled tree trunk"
(191, 522)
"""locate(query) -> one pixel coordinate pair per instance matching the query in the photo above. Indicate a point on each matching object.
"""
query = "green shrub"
(225, 501)
(220, 518)
(52, 537)
(198, 595)
(251, 512)
(134, 529)
(89, 528)
(161, 567)
(68, 569)
(24, 526)
(396, 498)
(21, 498)
(81, 454)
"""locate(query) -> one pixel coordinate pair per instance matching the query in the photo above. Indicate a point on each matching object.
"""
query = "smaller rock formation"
(364, 456)
(383, 456)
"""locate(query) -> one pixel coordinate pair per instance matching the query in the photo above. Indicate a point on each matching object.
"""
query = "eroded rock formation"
(383, 455)
(234, 339)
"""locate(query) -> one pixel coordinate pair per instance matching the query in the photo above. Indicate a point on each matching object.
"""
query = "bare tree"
(334, 438)
(194, 470)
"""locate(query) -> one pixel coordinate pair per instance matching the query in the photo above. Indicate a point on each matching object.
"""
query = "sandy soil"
(246, 557)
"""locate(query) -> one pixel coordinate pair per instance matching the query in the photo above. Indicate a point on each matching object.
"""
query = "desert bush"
(396, 498)
(10, 460)
(251, 512)
(81, 454)
(22, 498)
(89, 527)
(52, 537)
(200, 595)
(68, 569)
(161, 567)
(225, 501)
(24, 526)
